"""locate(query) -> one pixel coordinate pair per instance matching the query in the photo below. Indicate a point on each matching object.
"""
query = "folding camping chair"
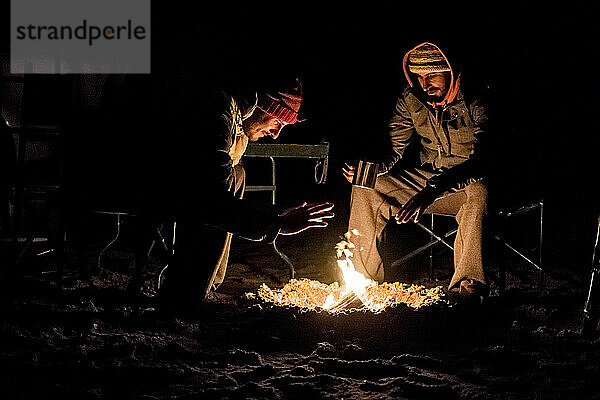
(499, 234)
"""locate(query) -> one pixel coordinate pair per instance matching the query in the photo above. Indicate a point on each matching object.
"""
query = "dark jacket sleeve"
(477, 166)
(401, 131)
(219, 206)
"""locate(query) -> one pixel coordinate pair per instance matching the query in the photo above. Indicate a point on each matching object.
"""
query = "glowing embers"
(314, 295)
(358, 292)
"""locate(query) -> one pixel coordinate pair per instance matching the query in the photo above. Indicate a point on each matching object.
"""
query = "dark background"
(539, 63)
(95, 338)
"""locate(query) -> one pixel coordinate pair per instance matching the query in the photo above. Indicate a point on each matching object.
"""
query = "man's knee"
(361, 195)
(477, 195)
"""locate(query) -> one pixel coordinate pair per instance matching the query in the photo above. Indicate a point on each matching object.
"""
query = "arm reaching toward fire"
(297, 219)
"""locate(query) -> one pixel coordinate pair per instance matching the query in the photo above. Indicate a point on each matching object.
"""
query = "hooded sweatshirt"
(451, 132)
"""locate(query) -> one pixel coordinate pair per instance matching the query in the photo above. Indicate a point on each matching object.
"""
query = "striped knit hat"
(427, 58)
(282, 105)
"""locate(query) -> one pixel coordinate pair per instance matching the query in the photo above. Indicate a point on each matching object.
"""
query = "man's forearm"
(242, 218)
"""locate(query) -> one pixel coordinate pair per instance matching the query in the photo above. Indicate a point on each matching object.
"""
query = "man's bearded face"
(435, 85)
(261, 124)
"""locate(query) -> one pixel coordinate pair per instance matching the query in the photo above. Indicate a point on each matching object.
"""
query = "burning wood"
(358, 292)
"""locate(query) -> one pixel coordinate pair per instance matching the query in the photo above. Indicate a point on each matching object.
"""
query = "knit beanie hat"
(283, 105)
(427, 58)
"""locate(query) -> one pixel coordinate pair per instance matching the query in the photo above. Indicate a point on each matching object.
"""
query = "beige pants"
(371, 210)
(238, 185)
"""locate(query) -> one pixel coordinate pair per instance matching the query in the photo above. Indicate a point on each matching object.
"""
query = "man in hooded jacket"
(449, 179)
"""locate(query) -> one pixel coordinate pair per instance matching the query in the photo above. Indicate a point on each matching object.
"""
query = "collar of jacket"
(248, 106)
(246, 103)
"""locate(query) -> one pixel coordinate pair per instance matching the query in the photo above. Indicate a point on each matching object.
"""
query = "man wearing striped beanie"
(430, 68)
(206, 222)
(273, 110)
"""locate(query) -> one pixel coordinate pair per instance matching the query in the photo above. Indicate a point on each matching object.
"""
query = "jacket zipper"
(446, 133)
(437, 127)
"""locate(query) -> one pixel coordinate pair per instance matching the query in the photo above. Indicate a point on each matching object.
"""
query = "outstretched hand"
(348, 170)
(416, 205)
(297, 219)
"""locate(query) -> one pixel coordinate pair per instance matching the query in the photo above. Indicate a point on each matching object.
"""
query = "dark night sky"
(537, 60)
(532, 56)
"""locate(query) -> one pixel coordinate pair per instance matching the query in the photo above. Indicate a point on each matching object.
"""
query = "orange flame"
(354, 281)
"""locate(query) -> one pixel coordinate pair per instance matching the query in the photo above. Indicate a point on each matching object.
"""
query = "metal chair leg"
(435, 240)
(501, 266)
(507, 247)
(590, 319)
(541, 248)
(161, 274)
(111, 242)
(286, 259)
(431, 251)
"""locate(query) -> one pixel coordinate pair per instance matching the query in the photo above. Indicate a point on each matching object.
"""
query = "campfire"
(357, 292)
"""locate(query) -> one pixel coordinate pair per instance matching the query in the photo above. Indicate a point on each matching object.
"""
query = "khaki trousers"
(371, 209)
(238, 184)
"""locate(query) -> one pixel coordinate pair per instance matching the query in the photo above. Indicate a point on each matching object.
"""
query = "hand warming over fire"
(297, 219)
(348, 171)
(416, 205)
